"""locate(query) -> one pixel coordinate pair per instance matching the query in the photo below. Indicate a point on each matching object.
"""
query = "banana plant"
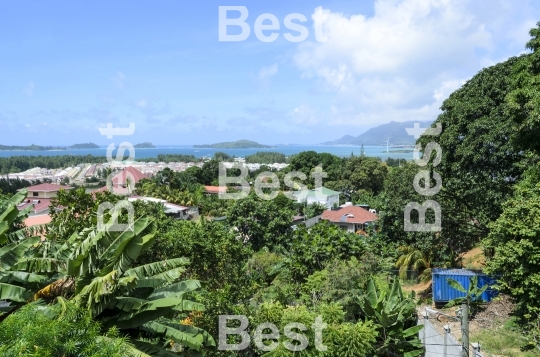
(145, 302)
(396, 317)
(472, 295)
(94, 269)
(9, 213)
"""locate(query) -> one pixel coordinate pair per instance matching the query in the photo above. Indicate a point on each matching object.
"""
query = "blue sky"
(68, 68)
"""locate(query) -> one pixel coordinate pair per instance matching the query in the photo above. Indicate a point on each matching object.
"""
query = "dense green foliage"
(265, 157)
(514, 241)
(93, 269)
(479, 163)
(11, 185)
(222, 156)
(310, 250)
(63, 330)
(22, 163)
(523, 100)
(261, 223)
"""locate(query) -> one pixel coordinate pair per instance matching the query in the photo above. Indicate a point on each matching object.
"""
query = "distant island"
(239, 144)
(84, 146)
(145, 145)
(29, 148)
(394, 132)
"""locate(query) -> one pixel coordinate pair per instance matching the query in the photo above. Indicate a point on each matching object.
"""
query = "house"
(350, 218)
(171, 209)
(322, 195)
(124, 182)
(215, 189)
(39, 197)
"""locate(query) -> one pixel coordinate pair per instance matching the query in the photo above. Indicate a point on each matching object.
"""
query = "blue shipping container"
(443, 292)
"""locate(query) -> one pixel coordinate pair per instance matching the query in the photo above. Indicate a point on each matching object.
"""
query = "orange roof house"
(39, 197)
(215, 189)
(349, 217)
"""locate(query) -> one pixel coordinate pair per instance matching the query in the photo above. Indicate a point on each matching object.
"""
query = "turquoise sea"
(342, 151)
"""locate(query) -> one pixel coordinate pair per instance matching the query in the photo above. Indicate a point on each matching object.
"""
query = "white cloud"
(400, 63)
(142, 103)
(29, 89)
(305, 115)
(119, 79)
(266, 73)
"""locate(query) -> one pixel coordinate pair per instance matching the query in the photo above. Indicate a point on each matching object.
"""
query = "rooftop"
(349, 214)
(319, 191)
(215, 189)
(129, 173)
(47, 187)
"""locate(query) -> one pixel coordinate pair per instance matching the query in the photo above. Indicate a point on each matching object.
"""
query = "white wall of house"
(349, 227)
(328, 201)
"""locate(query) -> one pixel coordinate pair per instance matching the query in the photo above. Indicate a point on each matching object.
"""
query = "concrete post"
(476, 348)
(426, 316)
(446, 332)
(465, 329)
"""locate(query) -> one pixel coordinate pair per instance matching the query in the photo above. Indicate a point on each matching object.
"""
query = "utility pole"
(465, 328)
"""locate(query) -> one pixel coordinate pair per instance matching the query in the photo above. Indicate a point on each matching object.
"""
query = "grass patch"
(503, 340)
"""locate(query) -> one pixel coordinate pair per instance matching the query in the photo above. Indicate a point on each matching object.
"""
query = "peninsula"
(239, 144)
(145, 145)
(29, 148)
(84, 146)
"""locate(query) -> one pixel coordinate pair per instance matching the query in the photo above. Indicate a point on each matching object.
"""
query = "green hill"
(145, 145)
(84, 146)
(239, 144)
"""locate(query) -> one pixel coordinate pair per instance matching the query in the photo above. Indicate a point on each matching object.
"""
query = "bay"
(341, 151)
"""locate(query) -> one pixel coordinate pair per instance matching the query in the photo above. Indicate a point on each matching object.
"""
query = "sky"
(68, 68)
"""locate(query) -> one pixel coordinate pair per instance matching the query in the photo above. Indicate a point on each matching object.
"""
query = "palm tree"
(414, 258)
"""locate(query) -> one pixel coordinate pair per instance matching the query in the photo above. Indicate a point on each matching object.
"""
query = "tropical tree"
(416, 259)
(396, 318)
(479, 160)
(522, 101)
(94, 270)
(260, 222)
(514, 246)
(311, 249)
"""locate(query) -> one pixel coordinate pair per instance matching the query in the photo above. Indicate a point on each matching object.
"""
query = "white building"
(322, 195)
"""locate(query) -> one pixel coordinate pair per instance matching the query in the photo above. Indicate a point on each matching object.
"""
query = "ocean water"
(342, 151)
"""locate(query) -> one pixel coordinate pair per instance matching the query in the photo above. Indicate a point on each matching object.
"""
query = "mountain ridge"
(394, 131)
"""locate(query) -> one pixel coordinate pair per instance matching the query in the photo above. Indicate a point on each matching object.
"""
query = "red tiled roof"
(47, 187)
(215, 189)
(353, 214)
(130, 173)
(43, 204)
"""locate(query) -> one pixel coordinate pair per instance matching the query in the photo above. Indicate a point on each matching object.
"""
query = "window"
(35, 194)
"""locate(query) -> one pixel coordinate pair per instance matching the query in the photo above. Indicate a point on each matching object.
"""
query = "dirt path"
(474, 259)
